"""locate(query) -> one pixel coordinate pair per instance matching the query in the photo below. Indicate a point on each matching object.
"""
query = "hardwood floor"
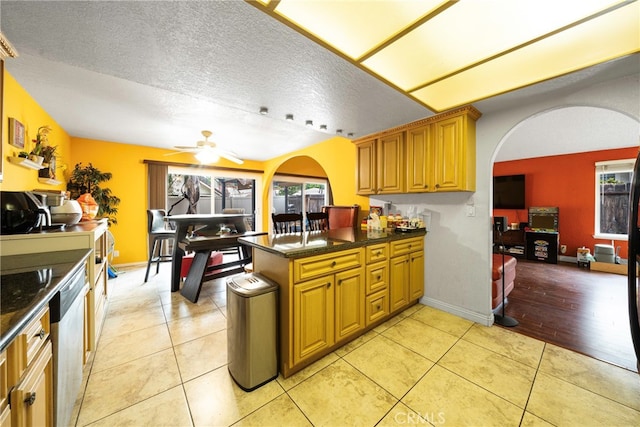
(575, 308)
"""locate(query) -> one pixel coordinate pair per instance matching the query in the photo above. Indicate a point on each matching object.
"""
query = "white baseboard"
(486, 320)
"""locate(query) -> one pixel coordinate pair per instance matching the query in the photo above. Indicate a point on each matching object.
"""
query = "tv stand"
(514, 243)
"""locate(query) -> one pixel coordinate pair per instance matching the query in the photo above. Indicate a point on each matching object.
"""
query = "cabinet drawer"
(375, 253)
(377, 277)
(377, 306)
(24, 348)
(405, 246)
(322, 265)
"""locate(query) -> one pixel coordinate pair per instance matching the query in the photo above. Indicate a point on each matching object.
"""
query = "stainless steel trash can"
(251, 330)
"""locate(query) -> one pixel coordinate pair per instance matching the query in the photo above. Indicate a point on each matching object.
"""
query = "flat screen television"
(508, 192)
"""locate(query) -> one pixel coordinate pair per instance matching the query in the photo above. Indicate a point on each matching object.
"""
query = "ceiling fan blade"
(230, 156)
(187, 148)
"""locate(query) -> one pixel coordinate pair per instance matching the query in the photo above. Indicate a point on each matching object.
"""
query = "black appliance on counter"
(22, 212)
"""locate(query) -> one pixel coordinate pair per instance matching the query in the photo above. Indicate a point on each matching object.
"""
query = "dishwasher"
(67, 338)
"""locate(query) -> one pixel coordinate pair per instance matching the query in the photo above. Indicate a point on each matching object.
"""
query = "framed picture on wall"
(16, 133)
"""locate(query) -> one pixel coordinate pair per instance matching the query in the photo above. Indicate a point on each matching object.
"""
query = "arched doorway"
(557, 150)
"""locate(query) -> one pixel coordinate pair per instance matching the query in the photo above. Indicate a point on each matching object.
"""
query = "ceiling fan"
(206, 151)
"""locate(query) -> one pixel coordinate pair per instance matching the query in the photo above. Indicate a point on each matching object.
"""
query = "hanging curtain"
(158, 176)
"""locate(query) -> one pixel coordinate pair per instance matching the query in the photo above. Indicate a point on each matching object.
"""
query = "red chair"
(342, 216)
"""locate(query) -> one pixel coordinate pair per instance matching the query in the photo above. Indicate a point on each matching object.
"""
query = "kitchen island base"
(333, 292)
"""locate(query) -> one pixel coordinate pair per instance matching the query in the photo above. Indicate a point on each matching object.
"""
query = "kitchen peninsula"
(335, 285)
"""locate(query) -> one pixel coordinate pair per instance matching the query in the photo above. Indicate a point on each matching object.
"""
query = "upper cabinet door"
(454, 155)
(391, 164)
(419, 159)
(366, 167)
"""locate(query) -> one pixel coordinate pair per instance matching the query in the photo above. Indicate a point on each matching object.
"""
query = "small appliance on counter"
(22, 212)
(70, 213)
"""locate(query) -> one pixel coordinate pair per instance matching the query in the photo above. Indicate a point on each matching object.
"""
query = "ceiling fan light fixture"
(323, 127)
(206, 156)
(309, 123)
(289, 117)
(264, 111)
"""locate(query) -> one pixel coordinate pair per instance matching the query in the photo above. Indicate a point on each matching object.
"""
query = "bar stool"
(158, 234)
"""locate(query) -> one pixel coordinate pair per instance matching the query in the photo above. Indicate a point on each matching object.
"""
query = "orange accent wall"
(568, 182)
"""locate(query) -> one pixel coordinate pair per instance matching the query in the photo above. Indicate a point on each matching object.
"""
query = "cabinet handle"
(379, 277)
(328, 284)
(30, 399)
(41, 334)
(437, 185)
(333, 264)
(339, 282)
(378, 307)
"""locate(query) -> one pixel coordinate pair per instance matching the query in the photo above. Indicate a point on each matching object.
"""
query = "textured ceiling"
(157, 73)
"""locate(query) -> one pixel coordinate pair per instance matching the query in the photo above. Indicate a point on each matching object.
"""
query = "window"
(613, 185)
(299, 194)
(205, 191)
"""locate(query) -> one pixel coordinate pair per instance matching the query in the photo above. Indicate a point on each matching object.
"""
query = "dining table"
(204, 234)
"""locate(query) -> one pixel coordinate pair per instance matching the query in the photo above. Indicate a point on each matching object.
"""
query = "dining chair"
(318, 221)
(286, 223)
(158, 234)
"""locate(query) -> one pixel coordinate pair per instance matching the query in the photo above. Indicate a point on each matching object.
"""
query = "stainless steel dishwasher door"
(67, 336)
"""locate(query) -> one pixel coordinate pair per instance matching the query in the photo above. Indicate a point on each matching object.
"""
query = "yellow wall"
(129, 181)
(337, 156)
(18, 104)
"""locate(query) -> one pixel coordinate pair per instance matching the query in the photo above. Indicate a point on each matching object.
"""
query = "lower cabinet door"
(398, 282)
(32, 399)
(313, 313)
(416, 275)
(349, 308)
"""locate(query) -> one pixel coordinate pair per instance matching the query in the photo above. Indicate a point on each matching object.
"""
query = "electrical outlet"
(471, 210)
(116, 254)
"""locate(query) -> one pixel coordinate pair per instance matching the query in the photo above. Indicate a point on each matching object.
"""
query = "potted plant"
(42, 147)
(87, 179)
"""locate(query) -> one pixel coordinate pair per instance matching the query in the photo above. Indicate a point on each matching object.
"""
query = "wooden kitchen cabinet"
(376, 283)
(436, 154)
(380, 168)
(420, 159)
(32, 398)
(327, 299)
(349, 303)
(5, 409)
(313, 317)
(27, 376)
(85, 235)
(328, 308)
(455, 154)
(406, 272)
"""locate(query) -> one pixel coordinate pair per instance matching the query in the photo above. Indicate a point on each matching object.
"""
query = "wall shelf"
(25, 163)
(49, 181)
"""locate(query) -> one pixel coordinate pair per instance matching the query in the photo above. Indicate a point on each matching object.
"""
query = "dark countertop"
(28, 282)
(308, 243)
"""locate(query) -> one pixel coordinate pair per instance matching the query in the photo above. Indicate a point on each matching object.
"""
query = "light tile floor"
(161, 360)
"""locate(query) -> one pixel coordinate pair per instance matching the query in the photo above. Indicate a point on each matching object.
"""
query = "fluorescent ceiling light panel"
(450, 53)
(470, 32)
(611, 36)
(354, 27)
